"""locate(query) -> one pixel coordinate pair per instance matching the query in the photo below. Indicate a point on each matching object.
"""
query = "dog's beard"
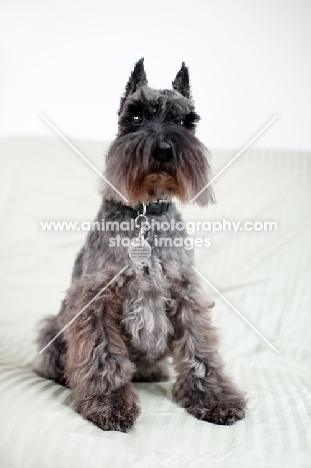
(154, 186)
(132, 170)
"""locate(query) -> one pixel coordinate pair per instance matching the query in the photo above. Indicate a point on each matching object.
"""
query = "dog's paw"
(218, 407)
(116, 411)
(223, 413)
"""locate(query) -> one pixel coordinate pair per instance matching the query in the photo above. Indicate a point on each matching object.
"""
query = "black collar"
(157, 207)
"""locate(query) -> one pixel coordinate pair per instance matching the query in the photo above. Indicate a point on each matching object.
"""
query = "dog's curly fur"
(126, 334)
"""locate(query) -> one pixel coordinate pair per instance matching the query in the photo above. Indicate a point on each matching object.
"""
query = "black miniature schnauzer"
(133, 307)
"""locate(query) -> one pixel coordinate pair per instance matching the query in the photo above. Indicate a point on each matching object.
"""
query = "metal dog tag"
(140, 251)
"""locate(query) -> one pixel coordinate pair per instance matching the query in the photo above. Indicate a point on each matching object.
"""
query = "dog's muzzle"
(163, 152)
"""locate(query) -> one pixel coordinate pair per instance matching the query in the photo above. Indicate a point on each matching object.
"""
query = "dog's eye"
(180, 122)
(137, 119)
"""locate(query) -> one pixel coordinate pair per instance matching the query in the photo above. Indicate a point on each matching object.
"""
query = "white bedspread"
(265, 275)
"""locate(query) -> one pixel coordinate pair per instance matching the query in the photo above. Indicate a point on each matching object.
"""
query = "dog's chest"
(144, 313)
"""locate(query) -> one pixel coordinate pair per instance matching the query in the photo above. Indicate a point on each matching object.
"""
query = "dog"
(130, 307)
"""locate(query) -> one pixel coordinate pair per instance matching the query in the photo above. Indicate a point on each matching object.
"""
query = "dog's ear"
(182, 82)
(138, 78)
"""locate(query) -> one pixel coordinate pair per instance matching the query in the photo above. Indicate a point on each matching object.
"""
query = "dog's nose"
(163, 152)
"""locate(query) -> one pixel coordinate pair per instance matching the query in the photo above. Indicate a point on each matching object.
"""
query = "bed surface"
(265, 275)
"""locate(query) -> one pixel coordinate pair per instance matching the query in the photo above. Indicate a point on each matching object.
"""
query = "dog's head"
(156, 154)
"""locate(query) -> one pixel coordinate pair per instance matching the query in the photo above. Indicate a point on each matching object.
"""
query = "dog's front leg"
(201, 387)
(98, 367)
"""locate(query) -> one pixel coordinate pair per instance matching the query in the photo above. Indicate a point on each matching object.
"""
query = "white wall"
(70, 60)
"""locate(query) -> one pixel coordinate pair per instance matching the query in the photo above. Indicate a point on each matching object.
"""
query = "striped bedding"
(266, 276)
